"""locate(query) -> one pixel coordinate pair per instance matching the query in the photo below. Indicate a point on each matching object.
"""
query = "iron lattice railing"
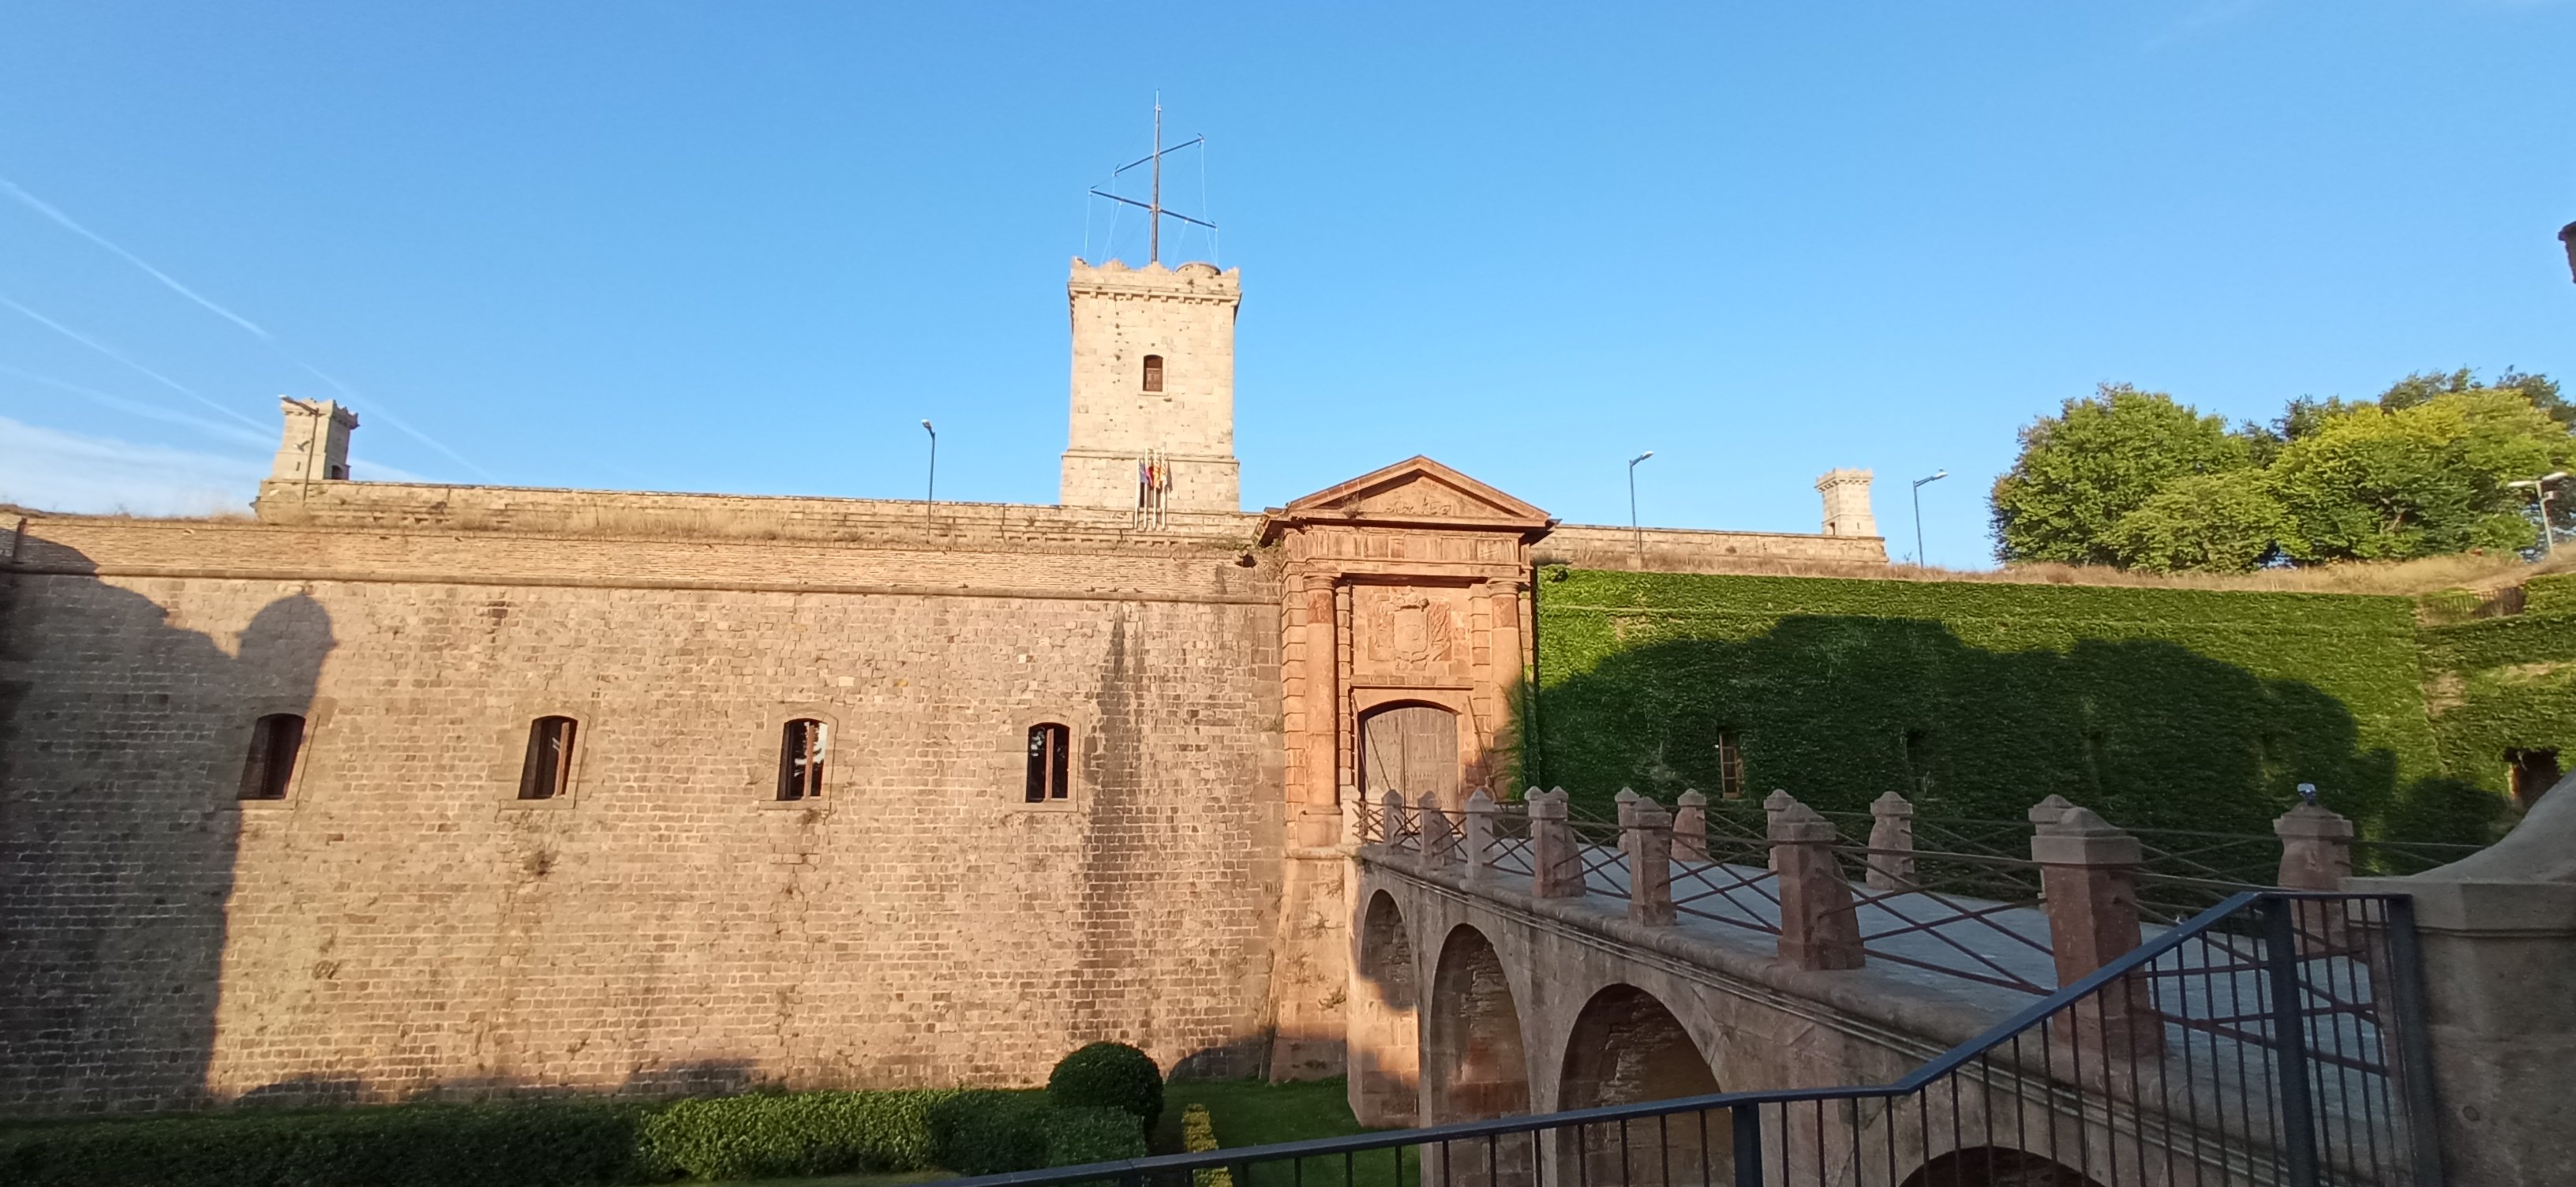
(2274, 1039)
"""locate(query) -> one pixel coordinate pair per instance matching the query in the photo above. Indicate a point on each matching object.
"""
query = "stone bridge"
(1509, 960)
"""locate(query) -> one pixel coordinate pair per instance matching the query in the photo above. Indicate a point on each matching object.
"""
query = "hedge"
(561, 1144)
(1109, 1075)
(514, 1145)
(2158, 707)
(2496, 684)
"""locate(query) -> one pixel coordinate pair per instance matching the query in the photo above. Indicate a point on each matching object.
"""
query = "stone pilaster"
(1818, 929)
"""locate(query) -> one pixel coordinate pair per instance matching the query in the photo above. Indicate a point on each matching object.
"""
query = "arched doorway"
(1385, 1020)
(1996, 1166)
(1412, 749)
(1474, 1066)
(1626, 1047)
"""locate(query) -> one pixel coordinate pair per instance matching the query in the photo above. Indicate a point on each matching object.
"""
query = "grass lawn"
(1257, 1113)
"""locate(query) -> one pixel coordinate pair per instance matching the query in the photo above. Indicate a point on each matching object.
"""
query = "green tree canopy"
(2226, 522)
(2100, 458)
(2427, 476)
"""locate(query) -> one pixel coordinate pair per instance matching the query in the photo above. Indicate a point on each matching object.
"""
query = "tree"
(2097, 460)
(2226, 522)
(2424, 477)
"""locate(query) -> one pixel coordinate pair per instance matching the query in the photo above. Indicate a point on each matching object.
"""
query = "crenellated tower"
(1153, 381)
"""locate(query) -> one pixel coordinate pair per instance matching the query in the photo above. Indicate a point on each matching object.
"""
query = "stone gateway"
(402, 790)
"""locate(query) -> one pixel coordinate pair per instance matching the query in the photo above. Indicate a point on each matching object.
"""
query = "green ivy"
(2158, 707)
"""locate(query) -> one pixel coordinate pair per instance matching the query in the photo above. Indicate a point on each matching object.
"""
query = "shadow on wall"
(118, 829)
(1838, 710)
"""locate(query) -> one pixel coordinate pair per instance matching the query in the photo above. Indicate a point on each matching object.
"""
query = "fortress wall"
(1686, 550)
(402, 924)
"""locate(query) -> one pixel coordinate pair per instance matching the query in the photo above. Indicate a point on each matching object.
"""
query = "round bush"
(1109, 1075)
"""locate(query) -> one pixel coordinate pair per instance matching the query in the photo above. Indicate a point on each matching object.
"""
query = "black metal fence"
(2275, 1038)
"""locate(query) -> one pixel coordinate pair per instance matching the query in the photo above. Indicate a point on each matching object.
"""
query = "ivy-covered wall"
(2499, 684)
(2157, 707)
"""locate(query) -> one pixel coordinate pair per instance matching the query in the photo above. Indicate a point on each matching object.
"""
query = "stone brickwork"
(400, 923)
(1686, 550)
(1184, 318)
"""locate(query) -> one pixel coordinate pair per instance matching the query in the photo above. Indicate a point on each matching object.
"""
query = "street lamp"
(930, 493)
(1632, 507)
(2540, 487)
(1918, 511)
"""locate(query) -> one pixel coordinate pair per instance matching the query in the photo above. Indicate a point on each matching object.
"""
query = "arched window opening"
(1050, 763)
(800, 759)
(275, 741)
(547, 773)
(1730, 765)
(1153, 372)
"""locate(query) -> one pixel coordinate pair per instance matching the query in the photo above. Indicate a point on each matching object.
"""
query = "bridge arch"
(2002, 1166)
(1474, 1064)
(1625, 1047)
(1384, 1027)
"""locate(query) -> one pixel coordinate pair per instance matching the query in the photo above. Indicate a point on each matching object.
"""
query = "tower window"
(1050, 750)
(1730, 766)
(800, 759)
(275, 741)
(547, 773)
(1153, 372)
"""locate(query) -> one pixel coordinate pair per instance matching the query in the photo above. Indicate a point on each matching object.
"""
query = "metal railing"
(2274, 1039)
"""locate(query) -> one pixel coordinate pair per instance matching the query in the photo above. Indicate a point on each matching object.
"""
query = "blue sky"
(748, 247)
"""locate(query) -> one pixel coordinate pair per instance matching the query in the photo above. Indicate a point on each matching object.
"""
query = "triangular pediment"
(1417, 490)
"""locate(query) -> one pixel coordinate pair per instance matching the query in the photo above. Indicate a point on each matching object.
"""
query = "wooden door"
(1412, 749)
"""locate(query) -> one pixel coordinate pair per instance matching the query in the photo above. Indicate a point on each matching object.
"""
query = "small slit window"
(275, 741)
(547, 773)
(1153, 372)
(1050, 761)
(1730, 766)
(800, 759)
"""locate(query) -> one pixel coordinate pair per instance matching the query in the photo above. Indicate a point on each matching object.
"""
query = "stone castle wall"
(1686, 550)
(401, 923)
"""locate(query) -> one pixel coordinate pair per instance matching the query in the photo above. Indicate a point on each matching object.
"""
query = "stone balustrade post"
(1818, 928)
(1773, 805)
(2316, 854)
(1690, 827)
(2316, 848)
(1479, 840)
(2088, 877)
(1438, 835)
(1390, 828)
(1556, 868)
(2045, 814)
(1891, 843)
(1627, 802)
(1354, 817)
(1647, 839)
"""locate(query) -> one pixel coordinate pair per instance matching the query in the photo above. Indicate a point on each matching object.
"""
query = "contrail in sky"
(32, 202)
(102, 348)
(377, 409)
(143, 409)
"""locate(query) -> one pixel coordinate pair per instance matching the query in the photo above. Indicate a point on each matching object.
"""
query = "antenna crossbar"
(1147, 206)
(1192, 141)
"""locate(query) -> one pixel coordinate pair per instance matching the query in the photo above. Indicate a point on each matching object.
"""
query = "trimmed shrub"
(989, 1132)
(768, 1135)
(1198, 1136)
(1078, 1136)
(1109, 1075)
(523, 1144)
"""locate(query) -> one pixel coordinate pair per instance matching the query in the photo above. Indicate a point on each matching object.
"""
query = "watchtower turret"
(1153, 388)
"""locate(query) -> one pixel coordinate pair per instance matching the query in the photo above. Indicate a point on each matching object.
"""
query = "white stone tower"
(315, 444)
(1847, 503)
(1153, 376)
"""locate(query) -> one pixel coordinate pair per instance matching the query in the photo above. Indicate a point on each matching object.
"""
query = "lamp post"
(2540, 486)
(1918, 511)
(1639, 532)
(930, 492)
